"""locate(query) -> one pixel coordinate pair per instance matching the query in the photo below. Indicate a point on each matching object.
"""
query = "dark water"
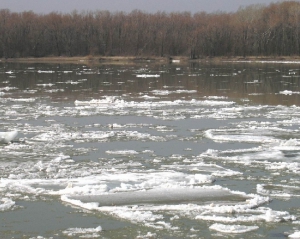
(150, 151)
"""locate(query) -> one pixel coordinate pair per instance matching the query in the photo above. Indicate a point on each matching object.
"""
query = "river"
(149, 150)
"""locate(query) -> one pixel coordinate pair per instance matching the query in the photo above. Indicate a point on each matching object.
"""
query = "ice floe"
(83, 232)
(289, 92)
(232, 228)
(281, 191)
(6, 204)
(6, 137)
(295, 235)
(147, 76)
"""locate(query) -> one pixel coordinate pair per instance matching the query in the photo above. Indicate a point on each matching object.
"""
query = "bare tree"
(251, 31)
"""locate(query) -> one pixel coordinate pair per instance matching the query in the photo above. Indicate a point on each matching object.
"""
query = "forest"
(255, 30)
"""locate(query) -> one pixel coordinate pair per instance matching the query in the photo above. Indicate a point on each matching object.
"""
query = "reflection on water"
(150, 151)
(270, 84)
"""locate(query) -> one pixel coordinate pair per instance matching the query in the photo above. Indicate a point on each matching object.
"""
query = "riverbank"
(92, 59)
(136, 59)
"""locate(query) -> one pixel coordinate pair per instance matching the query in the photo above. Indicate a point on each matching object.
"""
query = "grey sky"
(46, 6)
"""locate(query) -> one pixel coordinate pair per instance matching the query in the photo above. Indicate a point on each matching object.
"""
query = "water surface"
(150, 151)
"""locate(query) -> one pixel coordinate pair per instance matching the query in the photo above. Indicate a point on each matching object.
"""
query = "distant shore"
(137, 59)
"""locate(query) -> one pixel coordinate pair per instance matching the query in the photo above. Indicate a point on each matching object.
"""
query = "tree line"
(256, 30)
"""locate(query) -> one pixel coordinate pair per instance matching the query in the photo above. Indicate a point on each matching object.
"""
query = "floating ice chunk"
(253, 82)
(212, 102)
(290, 142)
(238, 214)
(6, 137)
(54, 90)
(106, 101)
(72, 82)
(84, 232)
(149, 235)
(215, 170)
(137, 215)
(6, 204)
(122, 152)
(286, 92)
(147, 76)
(291, 166)
(277, 190)
(277, 216)
(40, 71)
(216, 97)
(289, 92)
(161, 92)
(167, 92)
(232, 228)
(45, 85)
(185, 91)
(22, 99)
(89, 206)
(295, 235)
(147, 97)
(254, 135)
(95, 136)
(8, 88)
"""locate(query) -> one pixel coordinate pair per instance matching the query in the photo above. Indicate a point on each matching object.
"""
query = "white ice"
(83, 232)
(147, 76)
(6, 204)
(296, 235)
(232, 228)
(289, 92)
(6, 137)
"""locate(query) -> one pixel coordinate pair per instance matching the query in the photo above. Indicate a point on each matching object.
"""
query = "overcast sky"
(65, 6)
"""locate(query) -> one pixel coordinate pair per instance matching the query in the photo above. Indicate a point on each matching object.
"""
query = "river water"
(150, 150)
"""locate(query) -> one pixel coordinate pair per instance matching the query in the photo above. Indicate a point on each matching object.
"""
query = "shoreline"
(153, 59)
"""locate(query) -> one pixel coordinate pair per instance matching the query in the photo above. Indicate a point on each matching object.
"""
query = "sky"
(151, 6)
